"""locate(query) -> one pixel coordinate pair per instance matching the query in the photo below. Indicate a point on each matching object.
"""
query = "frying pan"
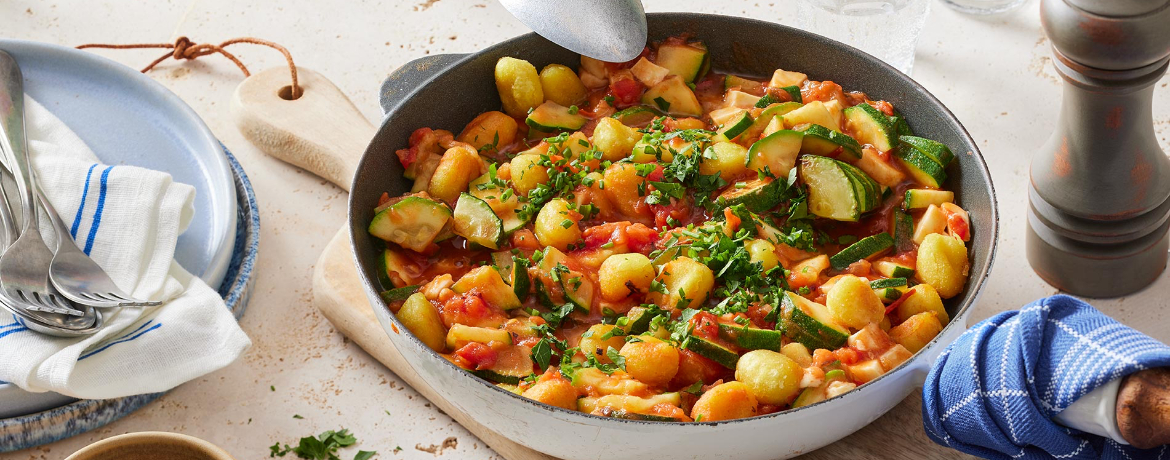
(447, 91)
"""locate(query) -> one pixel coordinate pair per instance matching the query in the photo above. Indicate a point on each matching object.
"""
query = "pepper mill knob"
(1099, 201)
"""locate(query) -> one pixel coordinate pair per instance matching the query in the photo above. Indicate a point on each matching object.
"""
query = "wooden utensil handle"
(321, 131)
(1143, 408)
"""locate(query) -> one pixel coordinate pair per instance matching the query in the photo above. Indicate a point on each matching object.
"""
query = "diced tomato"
(885, 107)
(958, 225)
(678, 210)
(625, 236)
(733, 220)
(823, 91)
(470, 309)
(759, 313)
(848, 356)
(626, 91)
(703, 325)
(478, 355)
(385, 198)
(693, 367)
(859, 268)
(525, 239)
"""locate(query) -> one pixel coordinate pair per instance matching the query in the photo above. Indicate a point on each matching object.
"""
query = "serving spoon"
(607, 30)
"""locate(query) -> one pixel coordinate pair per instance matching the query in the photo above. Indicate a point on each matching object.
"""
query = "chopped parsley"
(321, 447)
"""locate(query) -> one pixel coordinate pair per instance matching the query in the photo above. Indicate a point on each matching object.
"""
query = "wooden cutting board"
(325, 134)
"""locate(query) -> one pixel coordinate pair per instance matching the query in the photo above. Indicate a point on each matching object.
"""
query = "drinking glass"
(887, 29)
(984, 6)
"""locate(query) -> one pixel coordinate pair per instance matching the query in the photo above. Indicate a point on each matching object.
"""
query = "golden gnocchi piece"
(650, 360)
(459, 166)
(687, 283)
(727, 401)
(853, 303)
(493, 129)
(772, 377)
(556, 225)
(527, 173)
(422, 319)
(614, 139)
(561, 85)
(599, 339)
(518, 85)
(942, 263)
(621, 275)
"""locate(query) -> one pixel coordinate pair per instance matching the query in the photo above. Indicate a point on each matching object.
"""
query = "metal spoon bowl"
(608, 30)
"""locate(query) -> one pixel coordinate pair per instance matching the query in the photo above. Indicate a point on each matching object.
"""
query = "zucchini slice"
(819, 140)
(735, 127)
(922, 198)
(673, 95)
(922, 167)
(399, 294)
(713, 351)
(777, 152)
(685, 60)
(767, 115)
(903, 232)
(638, 115)
(476, 221)
(793, 93)
(578, 290)
(751, 338)
(936, 150)
(640, 318)
(459, 335)
(551, 117)
(521, 283)
(756, 195)
(889, 294)
(866, 185)
(888, 283)
(624, 414)
(893, 269)
(830, 189)
(871, 126)
(810, 323)
(487, 281)
(863, 249)
(746, 85)
(413, 223)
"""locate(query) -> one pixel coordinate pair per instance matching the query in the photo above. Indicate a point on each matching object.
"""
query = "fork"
(24, 267)
(78, 277)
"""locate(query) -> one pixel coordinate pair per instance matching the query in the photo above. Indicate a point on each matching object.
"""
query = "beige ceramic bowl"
(151, 445)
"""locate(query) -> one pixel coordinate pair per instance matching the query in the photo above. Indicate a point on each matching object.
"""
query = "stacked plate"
(126, 118)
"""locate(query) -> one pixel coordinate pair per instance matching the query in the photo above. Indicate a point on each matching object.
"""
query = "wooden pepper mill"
(1100, 187)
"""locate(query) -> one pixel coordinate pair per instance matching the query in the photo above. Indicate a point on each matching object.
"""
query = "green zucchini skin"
(552, 117)
(638, 115)
(819, 140)
(399, 294)
(800, 323)
(922, 167)
(498, 377)
(413, 222)
(751, 338)
(757, 195)
(903, 231)
(888, 282)
(935, 150)
(863, 249)
(474, 219)
(713, 351)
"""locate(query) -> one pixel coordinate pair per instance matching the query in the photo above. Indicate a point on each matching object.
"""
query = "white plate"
(127, 118)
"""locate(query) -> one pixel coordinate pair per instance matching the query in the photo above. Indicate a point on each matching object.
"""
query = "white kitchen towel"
(128, 219)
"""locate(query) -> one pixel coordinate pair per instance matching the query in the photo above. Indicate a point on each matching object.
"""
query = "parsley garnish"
(321, 447)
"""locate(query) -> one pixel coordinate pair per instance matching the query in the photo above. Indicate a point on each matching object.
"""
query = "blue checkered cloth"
(994, 392)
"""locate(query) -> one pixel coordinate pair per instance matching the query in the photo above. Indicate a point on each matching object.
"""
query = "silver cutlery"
(78, 277)
(24, 267)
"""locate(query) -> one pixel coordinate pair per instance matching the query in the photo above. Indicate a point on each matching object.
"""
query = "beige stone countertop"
(994, 73)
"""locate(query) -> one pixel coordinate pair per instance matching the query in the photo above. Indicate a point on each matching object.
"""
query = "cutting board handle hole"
(286, 93)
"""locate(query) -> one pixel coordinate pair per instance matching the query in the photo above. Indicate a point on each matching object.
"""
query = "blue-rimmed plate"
(76, 417)
(127, 118)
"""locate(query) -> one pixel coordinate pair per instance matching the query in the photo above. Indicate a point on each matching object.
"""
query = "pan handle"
(411, 76)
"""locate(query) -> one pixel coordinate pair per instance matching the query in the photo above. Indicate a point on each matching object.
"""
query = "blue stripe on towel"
(18, 328)
(81, 207)
(97, 213)
(135, 335)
